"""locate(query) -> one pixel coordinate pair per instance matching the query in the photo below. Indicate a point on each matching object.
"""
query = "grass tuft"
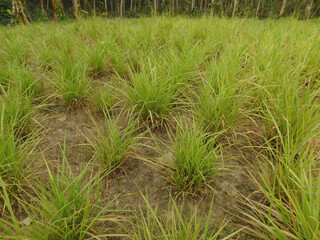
(175, 226)
(192, 159)
(71, 80)
(114, 143)
(16, 154)
(67, 207)
(104, 98)
(150, 95)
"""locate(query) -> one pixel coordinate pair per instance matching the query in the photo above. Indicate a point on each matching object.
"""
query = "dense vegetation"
(146, 128)
(26, 10)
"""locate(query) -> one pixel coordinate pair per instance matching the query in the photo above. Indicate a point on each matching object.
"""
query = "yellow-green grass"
(226, 75)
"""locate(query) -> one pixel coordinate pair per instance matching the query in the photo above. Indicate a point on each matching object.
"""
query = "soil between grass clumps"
(135, 176)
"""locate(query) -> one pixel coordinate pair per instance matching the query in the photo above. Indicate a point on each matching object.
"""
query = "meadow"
(160, 128)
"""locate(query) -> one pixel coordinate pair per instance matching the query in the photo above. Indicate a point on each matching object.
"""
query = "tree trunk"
(308, 9)
(192, 4)
(76, 8)
(17, 8)
(155, 5)
(94, 7)
(24, 16)
(283, 7)
(42, 7)
(54, 9)
(235, 5)
(258, 7)
(263, 7)
(123, 6)
(173, 6)
(120, 7)
(14, 11)
(131, 5)
(105, 5)
(212, 8)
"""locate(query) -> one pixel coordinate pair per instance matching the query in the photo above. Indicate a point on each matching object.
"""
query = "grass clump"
(71, 80)
(16, 154)
(16, 48)
(288, 174)
(219, 109)
(5, 74)
(104, 97)
(193, 158)
(16, 112)
(26, 81)
(151, 96)
(113, 144)
(12, 160)
(291, 206)
(68, 207)
(176, 226)
(97, 61)
(221, 100)
(290, 120)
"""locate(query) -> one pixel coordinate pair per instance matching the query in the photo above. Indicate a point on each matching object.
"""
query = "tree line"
(24, 11)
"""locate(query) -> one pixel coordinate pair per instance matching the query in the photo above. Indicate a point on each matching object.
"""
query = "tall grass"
(71, 79)
(16, 156)
(97, 60)
(4, 76)
(192, 158)
(288, 175)
(151, 225)
(15, 48)
(16, 112)
(114, 143)
(105, 97)
(232, 75)
(221, 98)
(290, 121)
(27, 81)
(149, 94)
(293, 214)
(67, 207)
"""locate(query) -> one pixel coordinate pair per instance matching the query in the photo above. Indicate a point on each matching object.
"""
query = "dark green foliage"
(5, 5)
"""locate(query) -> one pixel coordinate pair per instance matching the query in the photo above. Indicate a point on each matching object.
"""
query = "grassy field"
(160, 128)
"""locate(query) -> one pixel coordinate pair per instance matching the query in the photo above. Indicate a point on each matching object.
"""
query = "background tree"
(283, 7)
(15, 10)
(18, 13)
